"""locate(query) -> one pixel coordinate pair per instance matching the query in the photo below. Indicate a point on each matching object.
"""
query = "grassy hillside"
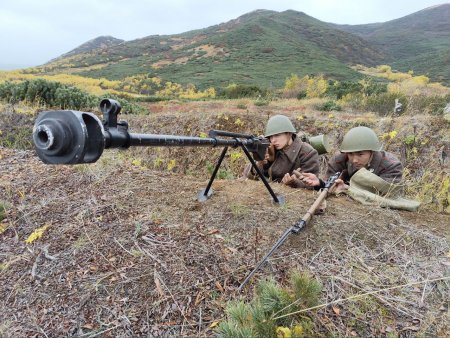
(419, 42)
(237, 51)
(98, 43)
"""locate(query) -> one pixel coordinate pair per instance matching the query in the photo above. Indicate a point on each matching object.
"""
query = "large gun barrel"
(72, 137)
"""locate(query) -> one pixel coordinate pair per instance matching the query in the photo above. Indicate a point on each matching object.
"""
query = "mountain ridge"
(99, 42)
(239, 50)
(415, 41)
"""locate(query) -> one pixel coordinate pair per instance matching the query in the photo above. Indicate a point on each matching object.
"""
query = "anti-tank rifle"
(74, 137)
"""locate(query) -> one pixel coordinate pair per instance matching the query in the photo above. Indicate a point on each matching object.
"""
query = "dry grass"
(130, 252)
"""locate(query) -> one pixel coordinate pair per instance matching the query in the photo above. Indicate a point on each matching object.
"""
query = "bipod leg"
(276, 199)
(206, 193)
(262, 261)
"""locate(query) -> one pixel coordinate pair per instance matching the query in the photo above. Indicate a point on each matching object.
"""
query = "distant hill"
(264, 47)
(419, 41)
(101, 42)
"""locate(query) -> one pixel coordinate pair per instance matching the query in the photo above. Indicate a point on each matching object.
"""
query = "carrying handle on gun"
(214, 133)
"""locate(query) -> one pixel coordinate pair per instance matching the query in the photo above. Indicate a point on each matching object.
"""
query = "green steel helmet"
(278, 124)
(359, 139)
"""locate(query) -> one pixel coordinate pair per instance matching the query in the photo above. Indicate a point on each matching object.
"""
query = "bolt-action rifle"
(297, 227)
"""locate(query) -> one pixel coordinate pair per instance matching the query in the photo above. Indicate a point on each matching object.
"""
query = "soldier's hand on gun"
(340, 186)
(270, 154)
(288, 179)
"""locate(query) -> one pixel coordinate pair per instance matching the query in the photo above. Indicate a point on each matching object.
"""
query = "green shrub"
(151, 98)
(384, 103)
(353, 100)
(423, 104)
(301, 94)
(235, 91)
(305, 289)
(57, 95)
(71, 98)
(49, 93)
(260, 103)
(369, 87)
(409, 140)
(330, 106)
(340, 89)
(258, 318)
(221, 173)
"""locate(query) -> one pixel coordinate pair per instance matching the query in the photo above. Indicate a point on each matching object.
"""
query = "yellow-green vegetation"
(36, 234)
(239, 210)
(132, 86)
(378, 92)
(305, 87)
(304, 97)
(407, 83)
(432, 188)
(260, 316)
(222, 173)
(2, 210)
(93, 86)
(176, 90)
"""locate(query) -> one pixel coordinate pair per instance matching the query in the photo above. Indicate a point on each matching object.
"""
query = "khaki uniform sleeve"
(338, 163)
(309, 164)
(392, 173)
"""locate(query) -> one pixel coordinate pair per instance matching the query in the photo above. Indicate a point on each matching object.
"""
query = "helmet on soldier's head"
(360, 139)
(279, 124)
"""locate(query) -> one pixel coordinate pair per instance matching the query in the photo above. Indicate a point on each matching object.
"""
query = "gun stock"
(296, 228)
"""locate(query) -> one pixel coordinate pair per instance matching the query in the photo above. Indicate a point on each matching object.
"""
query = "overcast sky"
(33, 32)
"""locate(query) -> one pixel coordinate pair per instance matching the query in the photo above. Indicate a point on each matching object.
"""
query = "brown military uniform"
(297, 155)
(383, 164)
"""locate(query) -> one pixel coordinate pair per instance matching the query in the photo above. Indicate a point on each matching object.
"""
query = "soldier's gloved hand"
(310, 180)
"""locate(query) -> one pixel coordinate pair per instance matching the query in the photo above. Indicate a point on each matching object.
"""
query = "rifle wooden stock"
(297, 227)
